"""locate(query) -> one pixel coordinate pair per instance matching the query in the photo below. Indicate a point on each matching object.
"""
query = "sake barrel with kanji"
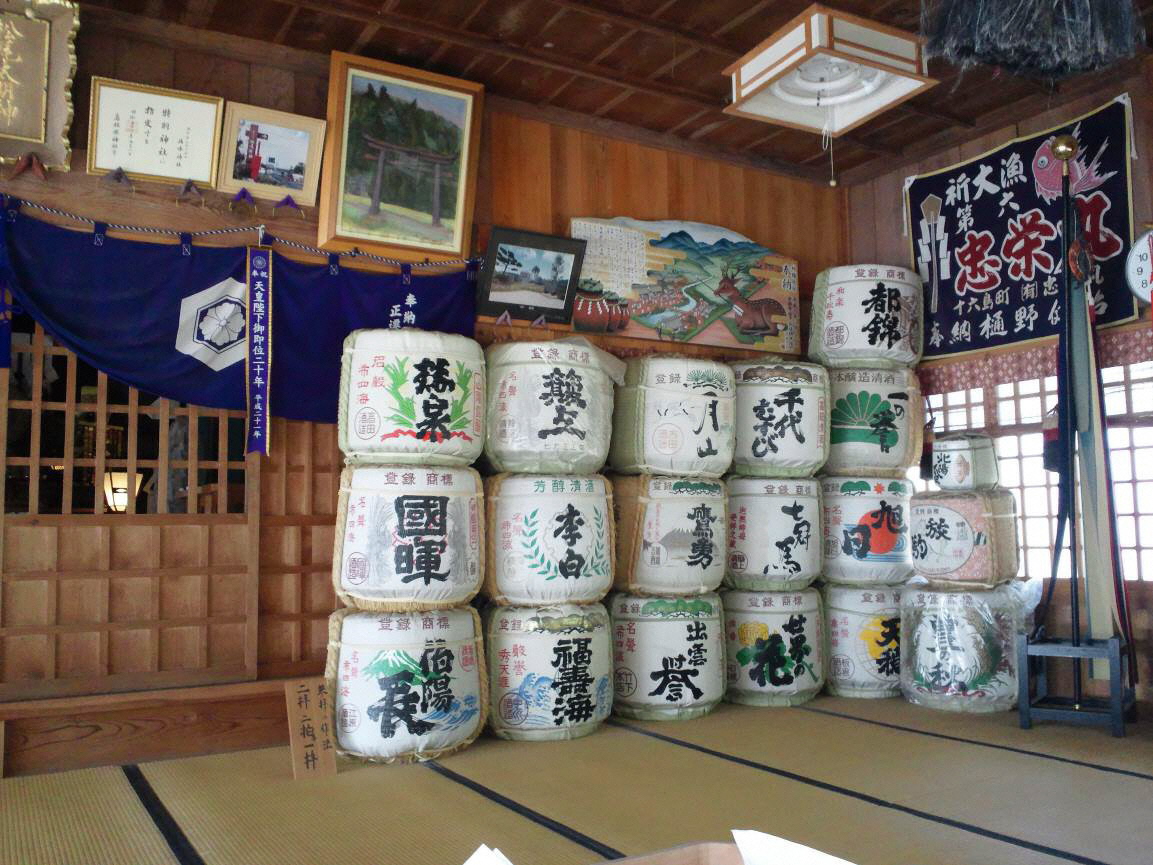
(668, 656)
(958, 648)
(774, 533)
(864, 627)
(965, 540)
(408, 537)
(411, 396)
(866, 530)
(965, 461)
(876, 422)
(775, 647)
(550, 407)
(674, 416)
(782, 418)
(551, 539)
(550, 670)
(670, 534)
(866, 315)
(407, 686)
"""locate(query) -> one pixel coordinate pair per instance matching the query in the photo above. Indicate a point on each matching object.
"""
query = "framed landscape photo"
(270, 153)
(153, 133)
(530, 275)
(400, 160)
(37, 64)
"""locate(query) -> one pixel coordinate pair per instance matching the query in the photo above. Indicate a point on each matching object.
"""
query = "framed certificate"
(153, 133)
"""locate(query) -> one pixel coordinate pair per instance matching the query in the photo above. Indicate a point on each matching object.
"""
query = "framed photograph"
(37, 63)
(153, 133)
(271, 153)
(530, 275)
(400, 160)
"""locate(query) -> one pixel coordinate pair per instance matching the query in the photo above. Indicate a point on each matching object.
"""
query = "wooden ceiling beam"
(197, 13)
(285, 26)
(938, 114)
(511, 50)
(701, 41)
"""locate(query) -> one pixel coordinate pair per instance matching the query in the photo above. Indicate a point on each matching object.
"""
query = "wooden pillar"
(377, 176)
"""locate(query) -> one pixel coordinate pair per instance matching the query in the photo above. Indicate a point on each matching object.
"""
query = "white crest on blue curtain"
(212, 325)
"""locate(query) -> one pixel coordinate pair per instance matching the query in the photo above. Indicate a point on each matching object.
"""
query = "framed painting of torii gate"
(400, 160)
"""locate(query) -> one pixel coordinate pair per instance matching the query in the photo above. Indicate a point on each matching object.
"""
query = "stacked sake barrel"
(959, 618)
(550, 557)
(673, 438)
(774, 623)
(405, 657)
(866, 327)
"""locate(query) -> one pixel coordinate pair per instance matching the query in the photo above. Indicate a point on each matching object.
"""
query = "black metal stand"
(1037, 704)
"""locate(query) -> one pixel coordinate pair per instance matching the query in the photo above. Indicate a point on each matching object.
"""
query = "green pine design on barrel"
(864, 417)
(598, 562)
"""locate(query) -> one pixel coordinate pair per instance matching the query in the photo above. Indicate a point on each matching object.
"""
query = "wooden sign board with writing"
(310, 732)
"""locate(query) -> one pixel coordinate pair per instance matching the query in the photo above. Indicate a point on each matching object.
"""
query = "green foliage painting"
(403, 162)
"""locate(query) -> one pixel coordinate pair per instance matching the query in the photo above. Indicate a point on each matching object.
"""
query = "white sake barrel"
(668, 656)
(876, 423)
(774, 533)
(550, 407)
(782, 418)
(965, 461)
(670, 535)
(550, 671)
(550, 539)
(866, 530)
(965, 540)
(411, 396)
(408, 685)
(408, 537)
(864, 640)
(958, 649)
(775, 647)
(866, 315)
(674, 416)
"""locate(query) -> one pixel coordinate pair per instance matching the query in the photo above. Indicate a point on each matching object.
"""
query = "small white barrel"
(876, 422)
(864, 640)
(550, 407)
(550, 671)
(866, 530)
(550, 539)
(776, 646)
(965, 461)
(411, 396)
(965, 540)
(774, 533)
(782, 418)
(866, 315)
(408, 537)
(407, 685)
(670, 535)
(668, 656)
(674, 416)
(958, 649)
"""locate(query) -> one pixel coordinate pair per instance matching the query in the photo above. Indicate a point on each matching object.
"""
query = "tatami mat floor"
(876, 782)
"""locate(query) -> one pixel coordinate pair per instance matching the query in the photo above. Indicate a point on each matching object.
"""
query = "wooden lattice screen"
(101, 589)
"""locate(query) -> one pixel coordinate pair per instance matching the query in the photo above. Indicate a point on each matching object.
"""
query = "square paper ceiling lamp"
(828, 72)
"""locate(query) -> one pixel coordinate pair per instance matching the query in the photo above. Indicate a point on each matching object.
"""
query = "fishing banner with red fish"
(986, 236)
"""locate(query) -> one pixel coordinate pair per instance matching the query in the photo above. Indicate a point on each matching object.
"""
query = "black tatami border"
(178, 843)
(1129, 773)
(865, 797)
(602, 850)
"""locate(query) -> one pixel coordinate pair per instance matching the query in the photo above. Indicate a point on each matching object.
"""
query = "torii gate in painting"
(437, 160)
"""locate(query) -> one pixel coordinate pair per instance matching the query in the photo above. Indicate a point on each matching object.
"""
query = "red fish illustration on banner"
(1083, 177)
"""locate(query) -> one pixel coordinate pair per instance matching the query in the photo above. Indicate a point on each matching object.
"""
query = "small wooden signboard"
(310, 731)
